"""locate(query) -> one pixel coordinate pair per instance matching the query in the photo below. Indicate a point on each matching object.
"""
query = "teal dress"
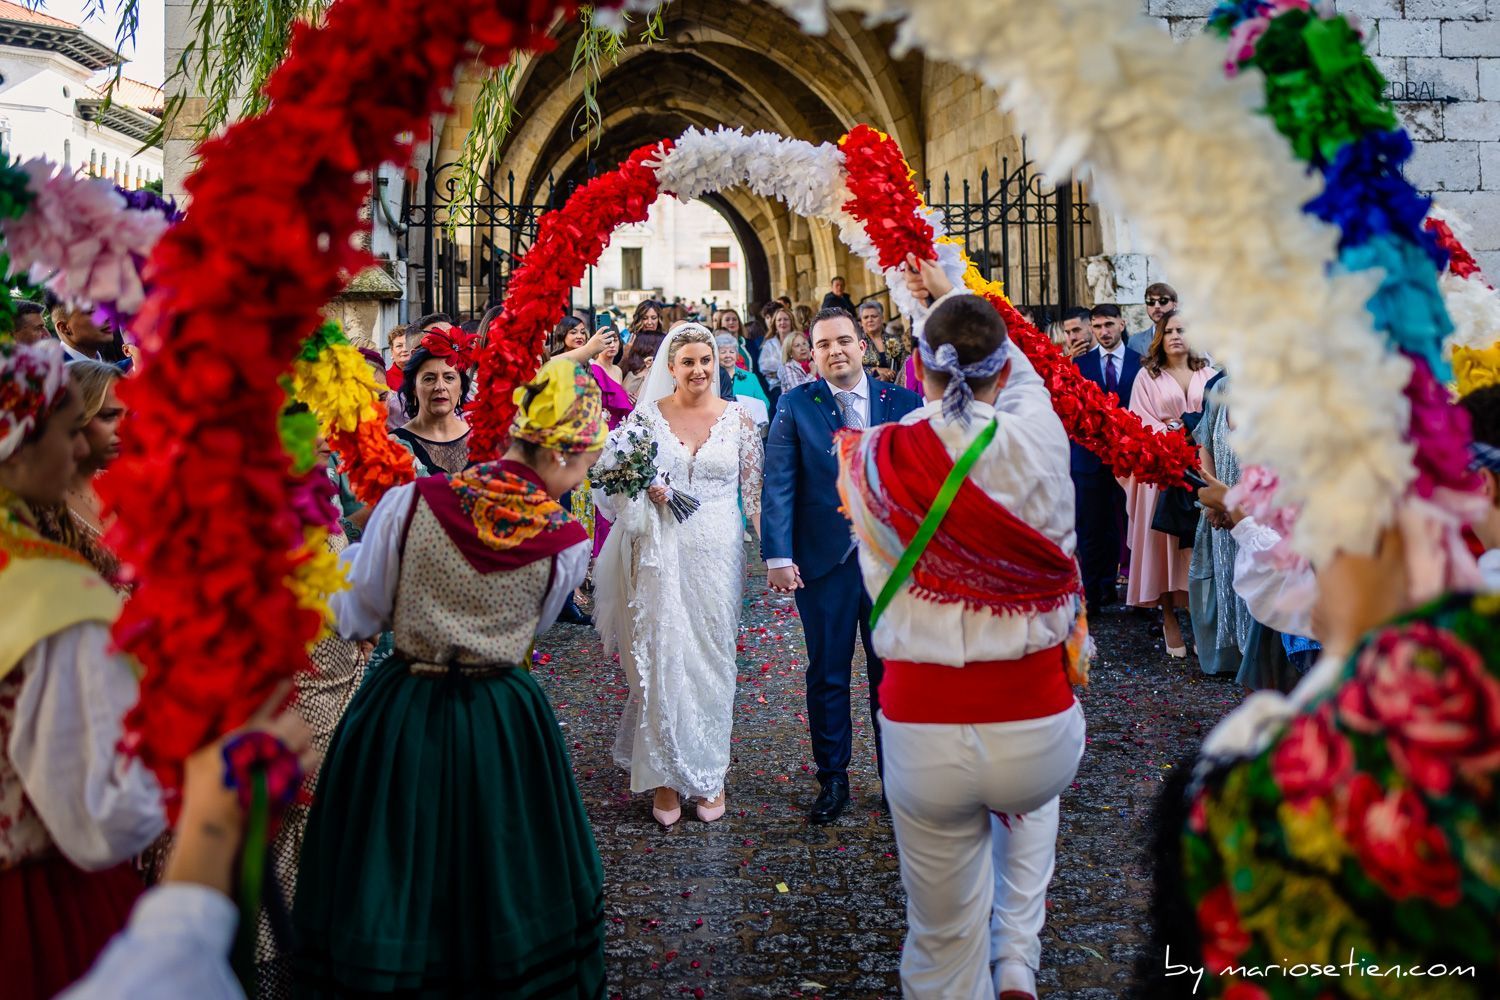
(447, 851)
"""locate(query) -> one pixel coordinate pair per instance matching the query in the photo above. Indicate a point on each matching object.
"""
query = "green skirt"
(447, 852)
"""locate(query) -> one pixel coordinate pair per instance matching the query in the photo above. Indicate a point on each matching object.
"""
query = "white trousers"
(976, 891)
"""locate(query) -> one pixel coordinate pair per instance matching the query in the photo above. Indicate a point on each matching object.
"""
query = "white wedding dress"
(668, 599)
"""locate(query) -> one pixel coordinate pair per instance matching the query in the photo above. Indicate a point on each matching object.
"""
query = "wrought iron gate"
(463, 253)
(1018, 232)
(1015, 230)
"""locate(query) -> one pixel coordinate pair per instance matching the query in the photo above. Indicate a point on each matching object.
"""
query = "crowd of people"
(406, 864)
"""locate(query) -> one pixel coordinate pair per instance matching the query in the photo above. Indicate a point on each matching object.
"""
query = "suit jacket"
(1091, 367)
(800, 517)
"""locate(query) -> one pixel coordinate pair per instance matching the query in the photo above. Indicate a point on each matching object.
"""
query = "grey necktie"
(851, 408)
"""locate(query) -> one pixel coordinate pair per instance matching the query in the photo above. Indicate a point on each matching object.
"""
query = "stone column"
(1121, 273)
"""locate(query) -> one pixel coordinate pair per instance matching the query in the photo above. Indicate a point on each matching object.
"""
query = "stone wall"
(1443, 60)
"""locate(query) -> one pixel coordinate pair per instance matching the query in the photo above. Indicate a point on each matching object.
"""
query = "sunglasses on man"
(1162, 301)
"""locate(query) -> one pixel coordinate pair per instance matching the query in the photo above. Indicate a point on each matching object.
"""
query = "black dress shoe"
(571, 615)
(831, 800)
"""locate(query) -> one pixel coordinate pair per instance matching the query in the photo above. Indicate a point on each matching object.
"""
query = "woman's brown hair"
(1156, 356)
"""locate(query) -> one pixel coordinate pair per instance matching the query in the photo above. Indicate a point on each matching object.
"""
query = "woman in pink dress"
(617, 406)
(1170, 383)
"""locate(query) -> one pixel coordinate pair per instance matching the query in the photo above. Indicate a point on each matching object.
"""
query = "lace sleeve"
(752, 463)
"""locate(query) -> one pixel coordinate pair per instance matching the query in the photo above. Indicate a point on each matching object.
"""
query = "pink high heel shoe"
(667, 817)
(709, 814)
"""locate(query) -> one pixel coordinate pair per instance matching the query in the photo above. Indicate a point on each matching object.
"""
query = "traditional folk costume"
(1347, 826)
(448, 852)
(73, 810)
(980, 726)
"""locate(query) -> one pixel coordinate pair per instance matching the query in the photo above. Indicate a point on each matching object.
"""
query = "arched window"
(116, 174)
(93, 163)
(67, 153)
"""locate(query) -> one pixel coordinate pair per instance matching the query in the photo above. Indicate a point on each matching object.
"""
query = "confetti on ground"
(700, 893)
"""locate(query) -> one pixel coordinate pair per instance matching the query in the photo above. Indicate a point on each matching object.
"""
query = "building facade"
(744, 63)
(53, 101)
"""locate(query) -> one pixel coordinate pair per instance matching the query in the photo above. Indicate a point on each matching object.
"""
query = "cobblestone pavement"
(761, 904)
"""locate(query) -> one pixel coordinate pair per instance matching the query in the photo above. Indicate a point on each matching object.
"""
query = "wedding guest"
(1078, 333)
(79, 522)
(82, 338)
(1170, 383)
(837, 298)
(30, 326)
(400, 354)
(645, 338)
(74, 808)
(981, 729)
(448, 850)
(1228, 637)
(1161, 298)
(1483, 406)
(886, 358)
(617, 406)
(772, 352)
(1106, 321)
(728, 321)
(1098, 498)
(744, 385)
(433, 390)
(796, 362)
(669, 591)
(802, 317)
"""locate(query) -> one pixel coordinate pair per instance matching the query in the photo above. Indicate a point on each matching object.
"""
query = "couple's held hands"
(785, 580)
(925, 279)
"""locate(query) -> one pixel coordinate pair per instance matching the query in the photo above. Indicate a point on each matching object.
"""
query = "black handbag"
(1177, 512)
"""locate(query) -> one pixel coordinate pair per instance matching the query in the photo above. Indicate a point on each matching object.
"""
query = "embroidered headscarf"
(562, 409)
(33, 381)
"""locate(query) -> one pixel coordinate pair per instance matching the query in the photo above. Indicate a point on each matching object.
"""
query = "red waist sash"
(1032, 687)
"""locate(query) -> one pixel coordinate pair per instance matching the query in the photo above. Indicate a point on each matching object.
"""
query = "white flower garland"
(1215, 193)
(1473, 304)
(809, 179)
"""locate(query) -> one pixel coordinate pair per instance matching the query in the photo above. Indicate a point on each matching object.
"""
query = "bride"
(668, 594)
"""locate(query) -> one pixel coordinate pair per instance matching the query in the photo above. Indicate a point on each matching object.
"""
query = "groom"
(806, 539)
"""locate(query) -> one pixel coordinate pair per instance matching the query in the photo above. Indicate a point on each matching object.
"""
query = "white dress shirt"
(1025, 470)
(176, 945)
(100, 806)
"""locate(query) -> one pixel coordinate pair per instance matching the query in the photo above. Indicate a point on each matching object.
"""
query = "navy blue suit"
(1099, 500)
(800, 520)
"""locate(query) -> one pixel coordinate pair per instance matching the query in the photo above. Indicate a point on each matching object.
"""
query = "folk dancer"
(979, 635)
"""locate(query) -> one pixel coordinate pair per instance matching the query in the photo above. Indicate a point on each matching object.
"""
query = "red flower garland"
(886, 201)
(1460, 261)
(568, 241)
(202, 492)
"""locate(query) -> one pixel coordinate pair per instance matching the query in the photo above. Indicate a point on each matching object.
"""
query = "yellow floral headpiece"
(561, 409)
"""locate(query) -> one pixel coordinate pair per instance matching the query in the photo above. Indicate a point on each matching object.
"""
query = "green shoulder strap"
(932, 521)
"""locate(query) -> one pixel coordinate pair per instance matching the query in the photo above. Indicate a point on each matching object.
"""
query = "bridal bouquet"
(628, 466)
